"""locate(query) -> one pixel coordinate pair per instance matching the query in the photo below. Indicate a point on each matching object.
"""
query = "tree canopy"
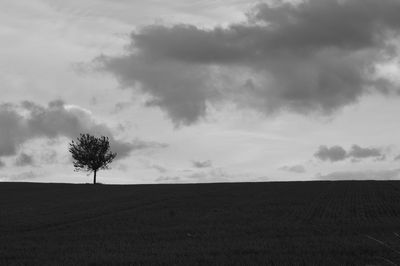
(91, 153)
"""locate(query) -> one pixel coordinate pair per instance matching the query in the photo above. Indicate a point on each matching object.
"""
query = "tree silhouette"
(91, 154)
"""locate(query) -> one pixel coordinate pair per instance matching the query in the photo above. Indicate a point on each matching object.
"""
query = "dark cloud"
(203, 164)
(24, 160)
(397, 157)
(362, 175)
(316, 56)
(298, 169)
(2, 164)
(174, 87)
(356, 153)
(359, 152)
(28, 120)
(333, 154)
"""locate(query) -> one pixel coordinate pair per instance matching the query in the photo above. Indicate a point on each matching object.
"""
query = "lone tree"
(91, 154)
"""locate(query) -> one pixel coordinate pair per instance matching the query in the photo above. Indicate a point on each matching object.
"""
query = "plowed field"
(293, 223)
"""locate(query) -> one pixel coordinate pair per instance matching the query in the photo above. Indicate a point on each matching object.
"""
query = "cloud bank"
(28, 120)
(314, 56)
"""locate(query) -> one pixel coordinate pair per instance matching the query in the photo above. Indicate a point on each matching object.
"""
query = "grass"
(294, 223)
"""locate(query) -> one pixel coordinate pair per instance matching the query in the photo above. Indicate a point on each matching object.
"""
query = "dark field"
(298, 223)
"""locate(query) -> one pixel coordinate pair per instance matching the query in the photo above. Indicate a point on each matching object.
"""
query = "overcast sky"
(201, 91)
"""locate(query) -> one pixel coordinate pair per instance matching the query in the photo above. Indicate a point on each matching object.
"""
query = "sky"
(201, 91)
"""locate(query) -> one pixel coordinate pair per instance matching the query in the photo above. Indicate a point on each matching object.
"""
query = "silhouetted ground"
(297, 223)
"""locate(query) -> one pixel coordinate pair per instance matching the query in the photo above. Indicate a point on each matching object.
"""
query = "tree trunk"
(94, 177)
